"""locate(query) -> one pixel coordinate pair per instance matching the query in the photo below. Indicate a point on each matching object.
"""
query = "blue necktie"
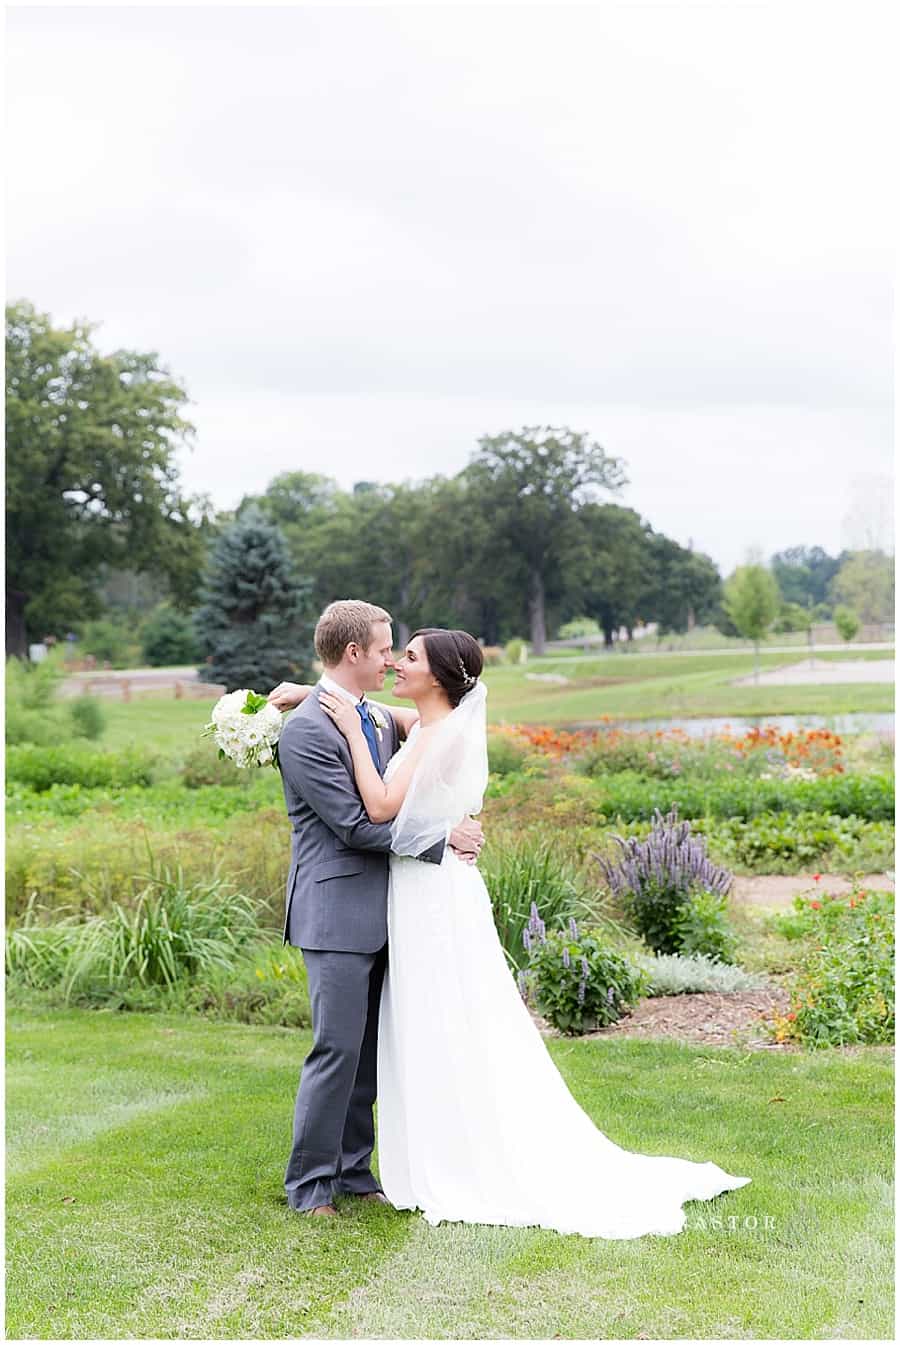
(368, 729)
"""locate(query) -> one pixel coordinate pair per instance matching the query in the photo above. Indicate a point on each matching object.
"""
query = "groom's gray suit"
(337, 913)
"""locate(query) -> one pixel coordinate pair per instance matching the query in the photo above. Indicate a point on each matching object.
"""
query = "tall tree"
(255, 624)
(804, 573)
(611, 571)
(91, 476)
(530, 484)
(865, 583)
(686, 587)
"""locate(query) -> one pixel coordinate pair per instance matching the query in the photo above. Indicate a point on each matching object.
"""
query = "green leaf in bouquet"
(254, 703)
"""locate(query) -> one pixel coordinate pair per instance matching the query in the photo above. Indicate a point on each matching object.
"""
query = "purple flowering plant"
(574, 979)
(667, 884)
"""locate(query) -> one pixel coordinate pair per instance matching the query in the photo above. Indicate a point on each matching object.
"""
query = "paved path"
(779, 890)
(818, 672)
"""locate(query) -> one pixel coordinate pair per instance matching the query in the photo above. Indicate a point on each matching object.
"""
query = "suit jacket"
(338, 880)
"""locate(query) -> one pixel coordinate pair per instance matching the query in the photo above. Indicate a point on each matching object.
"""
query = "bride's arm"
(288, 695)
(382, 799)
(404, 716)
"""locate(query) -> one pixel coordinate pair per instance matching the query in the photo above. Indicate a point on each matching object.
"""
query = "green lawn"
(146, 1156)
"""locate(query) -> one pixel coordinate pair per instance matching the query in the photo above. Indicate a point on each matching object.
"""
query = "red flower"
(816, 877)
(816, 905)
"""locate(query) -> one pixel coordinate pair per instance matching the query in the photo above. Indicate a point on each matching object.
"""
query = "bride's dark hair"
(455, 659)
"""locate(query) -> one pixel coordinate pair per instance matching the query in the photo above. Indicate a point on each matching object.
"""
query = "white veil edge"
(449, 780)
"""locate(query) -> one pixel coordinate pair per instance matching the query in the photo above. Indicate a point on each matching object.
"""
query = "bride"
(475, 1121)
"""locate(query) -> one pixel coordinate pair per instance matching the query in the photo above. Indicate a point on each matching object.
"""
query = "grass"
(633, 686)
(146, 1157)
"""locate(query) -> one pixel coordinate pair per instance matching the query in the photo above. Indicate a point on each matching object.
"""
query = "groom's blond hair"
(346, 622)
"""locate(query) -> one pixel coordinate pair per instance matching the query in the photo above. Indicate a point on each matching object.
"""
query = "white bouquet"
(246, 728)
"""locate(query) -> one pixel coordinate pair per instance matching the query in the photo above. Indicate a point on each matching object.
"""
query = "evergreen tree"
(255, 624)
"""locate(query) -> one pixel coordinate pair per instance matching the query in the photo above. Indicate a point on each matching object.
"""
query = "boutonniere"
(378, 719)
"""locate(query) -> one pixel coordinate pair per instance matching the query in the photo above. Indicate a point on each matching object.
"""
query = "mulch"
(710, 1019)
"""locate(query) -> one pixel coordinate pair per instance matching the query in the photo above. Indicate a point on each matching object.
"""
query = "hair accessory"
(466, 677)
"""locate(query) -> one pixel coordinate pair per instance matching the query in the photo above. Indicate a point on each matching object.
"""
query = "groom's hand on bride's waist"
(466, 840)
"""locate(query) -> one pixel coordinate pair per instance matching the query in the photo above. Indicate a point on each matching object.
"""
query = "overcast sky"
(364, 236)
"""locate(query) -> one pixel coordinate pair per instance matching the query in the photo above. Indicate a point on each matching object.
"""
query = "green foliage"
(629, 796)
(865, 583)
(847, 623)
(530, 483)
(751, 599)
(513, 651)
(792, 617)
(88, 716)
(35, 715)
(506, 754)
(804, 574)
(168, 638)
(112, 640)
(844, 989)
(701, 927)
(205, 765)
(175, 931)
(781, 842)
(576, 980)
(668, 886)
(254, 625)
(92, 478)
(42, 768)
(532, 869)
(579, 627)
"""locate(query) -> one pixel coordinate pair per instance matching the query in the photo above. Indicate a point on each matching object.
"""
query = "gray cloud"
(365, 235)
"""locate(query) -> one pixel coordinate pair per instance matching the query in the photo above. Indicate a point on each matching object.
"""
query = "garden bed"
(713, 1019)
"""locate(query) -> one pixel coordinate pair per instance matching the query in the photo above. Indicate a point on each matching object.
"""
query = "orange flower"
(816, 905)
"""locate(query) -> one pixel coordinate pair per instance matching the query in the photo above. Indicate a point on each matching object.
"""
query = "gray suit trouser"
(334, 1129)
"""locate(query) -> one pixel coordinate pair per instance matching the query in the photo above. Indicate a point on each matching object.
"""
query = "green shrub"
(110, 640)
(205, 765)
(702, 927)
(32, 713)
(168, 638)
(631, 797)
(575, 980)
(512, 651)
(694, 973)
(531, 870)
(42, 767)
(88, 716)
(784, 842)
(506, 754)
(844, 990)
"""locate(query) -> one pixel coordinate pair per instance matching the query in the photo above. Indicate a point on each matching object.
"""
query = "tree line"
(529, 535)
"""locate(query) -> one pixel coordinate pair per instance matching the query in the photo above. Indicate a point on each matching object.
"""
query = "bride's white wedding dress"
(475, 1121)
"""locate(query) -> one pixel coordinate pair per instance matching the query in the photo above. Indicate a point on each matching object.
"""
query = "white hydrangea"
(247, 739)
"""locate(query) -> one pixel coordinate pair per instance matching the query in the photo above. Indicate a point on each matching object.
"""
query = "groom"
(337, 907)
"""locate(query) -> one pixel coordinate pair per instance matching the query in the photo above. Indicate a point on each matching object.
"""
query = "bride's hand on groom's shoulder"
(342, 712)
(288, 695)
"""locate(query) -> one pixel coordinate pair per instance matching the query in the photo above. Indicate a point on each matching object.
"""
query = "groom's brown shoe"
(321, 1211)
(377, 1196)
